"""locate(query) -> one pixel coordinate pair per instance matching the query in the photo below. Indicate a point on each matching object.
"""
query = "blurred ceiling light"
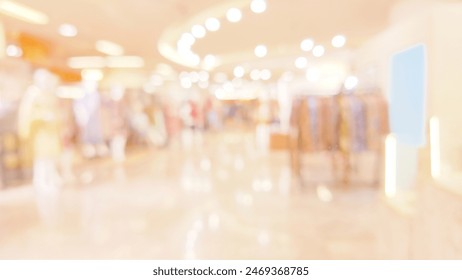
(157, 80)
(187, 39)
(307, 45)
(70, 92)
(287, 76)
(255, 75)
(258, 6)
(109, 48)
(204, 76)
(186, 83)
(92, 75)
(318, 51)
(338, 41)
(313, 74)
(203, 84)
(237, 82)
(228, 86)
(212, 24)
(23, 12)
(194, 59)
(81, 62)
(13, 50)
(351, 82)
(210, 61)
(301, 62)
(220, 77)
(234, 15)
(265, 74)
(261, 51)
(67, 30)
(198, 31)
(239, 71)
(124, 62)
(194, 76)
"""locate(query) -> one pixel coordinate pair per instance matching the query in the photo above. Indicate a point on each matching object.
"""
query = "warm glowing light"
(23, 12)
(204, 76)
(313, 74)
(67, 30)
(351, 82)
(265, 74)
(255, 75)
(239, 71)
(109, 48)
(92, 75)
(124, 62)
(212, 24)
(81, 62)
(13, 51)
(210, 61)
(435, 148)
(338, 41)
(198, 31)
(390, 166)
(261, 51)
(301, 62)
(307, 45)
(318, 51)
(234, 15)
(70, 92)
(258, 6)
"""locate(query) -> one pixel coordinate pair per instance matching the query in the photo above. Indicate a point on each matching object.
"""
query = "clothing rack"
(341, 127)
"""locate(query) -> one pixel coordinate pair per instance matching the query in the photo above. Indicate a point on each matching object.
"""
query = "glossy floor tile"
(214, 196)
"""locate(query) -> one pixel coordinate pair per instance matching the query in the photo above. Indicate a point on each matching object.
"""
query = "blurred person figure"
(158, 129)
(87, 113)
(39, 125)
(119, 129)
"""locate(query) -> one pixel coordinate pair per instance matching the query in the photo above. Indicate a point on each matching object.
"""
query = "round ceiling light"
(255, 75)
(212, 24)
(239, 71)
(258, 6)
(265, 74)
(307, 45)
(198, 31)
(67, 30)
(318, 51)
(301, 62)
(351, 82)
(338, 41)
(234, 15)
(261, 51)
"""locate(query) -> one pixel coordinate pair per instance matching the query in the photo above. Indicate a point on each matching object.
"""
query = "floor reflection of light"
(324, 194)
(285, 180)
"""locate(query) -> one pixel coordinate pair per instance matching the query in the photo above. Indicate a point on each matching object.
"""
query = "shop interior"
(230, 129)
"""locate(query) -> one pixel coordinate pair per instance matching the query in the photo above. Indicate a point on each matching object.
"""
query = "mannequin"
(39, 125)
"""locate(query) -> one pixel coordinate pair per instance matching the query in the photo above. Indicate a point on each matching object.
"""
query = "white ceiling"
(138, 24)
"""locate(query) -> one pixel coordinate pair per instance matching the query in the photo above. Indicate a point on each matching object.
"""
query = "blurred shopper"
(39, 125)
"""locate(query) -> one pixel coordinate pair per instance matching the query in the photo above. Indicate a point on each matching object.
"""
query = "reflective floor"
(214, 196)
